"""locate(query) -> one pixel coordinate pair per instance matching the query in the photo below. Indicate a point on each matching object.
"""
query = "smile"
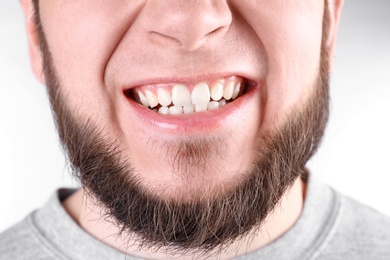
(179, 98)
(193, 107)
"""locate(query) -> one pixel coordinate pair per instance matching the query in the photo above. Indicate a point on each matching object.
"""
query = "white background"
(354, 157)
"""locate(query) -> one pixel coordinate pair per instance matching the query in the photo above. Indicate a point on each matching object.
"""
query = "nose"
(186, 24)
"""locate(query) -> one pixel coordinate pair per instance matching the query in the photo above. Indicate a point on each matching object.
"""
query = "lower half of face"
(188, 127)
(221, 188)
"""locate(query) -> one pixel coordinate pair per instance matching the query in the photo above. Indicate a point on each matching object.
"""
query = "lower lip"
(196, 122)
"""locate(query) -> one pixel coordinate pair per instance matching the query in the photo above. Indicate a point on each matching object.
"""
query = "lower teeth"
(189, 109)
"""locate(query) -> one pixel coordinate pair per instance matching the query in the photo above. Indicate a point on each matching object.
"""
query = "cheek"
(294, 64)
(81, 36)
(294, 59)
(291, 34)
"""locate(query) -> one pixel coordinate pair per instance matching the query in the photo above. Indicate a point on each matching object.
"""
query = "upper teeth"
(180, 95)
(178, 99)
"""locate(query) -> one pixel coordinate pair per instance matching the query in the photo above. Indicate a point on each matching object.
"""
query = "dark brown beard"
(207, 223)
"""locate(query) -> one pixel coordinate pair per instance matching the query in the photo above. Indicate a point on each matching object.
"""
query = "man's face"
(104, 50)
(100, 55)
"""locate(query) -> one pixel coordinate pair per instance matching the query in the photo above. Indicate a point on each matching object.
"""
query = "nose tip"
(186, 24)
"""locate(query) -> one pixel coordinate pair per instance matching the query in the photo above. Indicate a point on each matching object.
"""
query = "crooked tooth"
(176, 110)
(163, 110)
(217, 91)
(201, 99)
(201, 107)
(213, 105)
(188, 109)
(152, 98)
(236, 90)
(200, 94)
(164, 97)
(144, 101)
(181, 96)
(222, 103)
(228, 92)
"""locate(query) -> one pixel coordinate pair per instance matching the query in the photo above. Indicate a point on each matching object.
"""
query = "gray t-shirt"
(331, 226)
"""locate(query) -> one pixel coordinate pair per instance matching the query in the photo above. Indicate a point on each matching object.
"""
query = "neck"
(89, 216)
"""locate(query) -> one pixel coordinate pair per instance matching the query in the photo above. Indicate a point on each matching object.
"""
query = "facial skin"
(251, 152)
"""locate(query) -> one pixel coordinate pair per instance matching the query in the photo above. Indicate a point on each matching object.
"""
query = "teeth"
(164, 97)
(217, 91)
(201, 107)
(188, 109)
(176, 110)
(213, 105)
(143, 99)
(163, 110)
(152, 98)
(228, 92)
(236, 90)
(200, 94)
(181, 95)
(222, 103)
(178, 100)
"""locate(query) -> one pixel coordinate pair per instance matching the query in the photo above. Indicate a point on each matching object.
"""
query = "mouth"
(190, 107)
(179, 98)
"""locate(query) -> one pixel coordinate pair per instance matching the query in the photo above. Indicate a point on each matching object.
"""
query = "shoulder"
(24, 241)
(359, 232)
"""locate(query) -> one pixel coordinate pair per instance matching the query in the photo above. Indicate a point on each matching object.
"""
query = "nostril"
(159, 37)
(186, 24)
(214, 31)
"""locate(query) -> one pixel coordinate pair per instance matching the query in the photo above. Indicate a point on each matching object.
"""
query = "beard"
(201, 224)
